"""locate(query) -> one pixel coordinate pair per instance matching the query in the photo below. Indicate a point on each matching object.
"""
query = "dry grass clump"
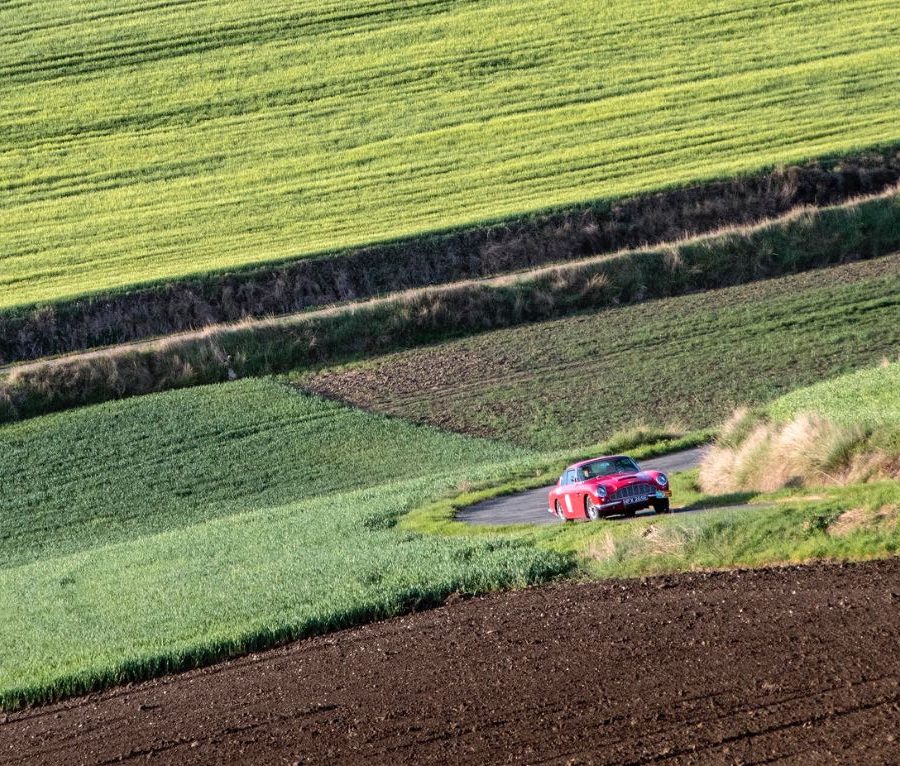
(860, 518)
(602, 549)
(654, 540)
(668, 540)
(808, 450)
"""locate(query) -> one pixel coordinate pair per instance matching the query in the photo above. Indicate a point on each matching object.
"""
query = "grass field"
(125, 470)
(870, 396)
(141, 142)
(806, 239)
(177, 528)
(685, 361)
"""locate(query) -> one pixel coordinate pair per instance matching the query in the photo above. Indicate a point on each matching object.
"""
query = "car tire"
(591, 511)
(662, 506)
(559, 512)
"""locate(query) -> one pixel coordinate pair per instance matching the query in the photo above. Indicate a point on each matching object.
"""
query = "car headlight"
(662, 480)
(601, 491)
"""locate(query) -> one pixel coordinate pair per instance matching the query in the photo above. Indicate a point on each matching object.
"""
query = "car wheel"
(591, 511)
(559, 512)
(662, 506)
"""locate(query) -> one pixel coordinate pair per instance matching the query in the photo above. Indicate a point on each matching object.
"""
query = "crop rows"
(687, 361)
(170, 461)
(142, 142)
(805, 240)
(174, 529)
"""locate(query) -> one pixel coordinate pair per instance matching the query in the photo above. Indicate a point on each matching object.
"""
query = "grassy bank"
(838, 431)
(117, 316)
(805, 240)
(686, 361)
(869, 397)
(856, 522)
(144, 142)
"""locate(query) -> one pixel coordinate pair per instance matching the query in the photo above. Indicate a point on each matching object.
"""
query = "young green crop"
(199, 593)
(687, 361)
(141, 142)
(173, 529)
(128, 469)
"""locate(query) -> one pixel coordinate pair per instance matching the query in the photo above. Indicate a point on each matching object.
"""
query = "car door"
(569, 494)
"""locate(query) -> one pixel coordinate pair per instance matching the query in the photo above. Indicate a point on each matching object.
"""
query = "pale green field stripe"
(316, 134)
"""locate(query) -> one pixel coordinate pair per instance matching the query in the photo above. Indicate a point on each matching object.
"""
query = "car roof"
(593, 459)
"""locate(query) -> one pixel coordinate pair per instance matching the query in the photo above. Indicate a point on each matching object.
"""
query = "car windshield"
(607, 467)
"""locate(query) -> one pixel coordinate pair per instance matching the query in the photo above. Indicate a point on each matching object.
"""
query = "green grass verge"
(837, 524)
(142, 142)
(794, 530)
(686, 361)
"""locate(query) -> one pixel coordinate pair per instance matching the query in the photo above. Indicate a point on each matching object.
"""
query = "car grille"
(632, 491)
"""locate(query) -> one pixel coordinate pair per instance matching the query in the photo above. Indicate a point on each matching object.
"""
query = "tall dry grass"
(755, 454)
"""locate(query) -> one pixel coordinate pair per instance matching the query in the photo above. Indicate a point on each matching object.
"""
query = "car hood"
(619, 480)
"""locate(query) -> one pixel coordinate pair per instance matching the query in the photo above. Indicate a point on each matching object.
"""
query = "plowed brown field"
(794, 665)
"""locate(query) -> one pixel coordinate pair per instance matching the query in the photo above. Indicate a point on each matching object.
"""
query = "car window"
(570, 477)
(611, 466)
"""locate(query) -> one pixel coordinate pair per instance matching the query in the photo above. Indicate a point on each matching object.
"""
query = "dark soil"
(794, 665)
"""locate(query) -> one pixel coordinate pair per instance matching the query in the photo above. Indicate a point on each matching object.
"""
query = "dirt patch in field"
(797, 664)
(524, 383)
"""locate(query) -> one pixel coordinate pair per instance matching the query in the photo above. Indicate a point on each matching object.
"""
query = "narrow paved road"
(530, 507)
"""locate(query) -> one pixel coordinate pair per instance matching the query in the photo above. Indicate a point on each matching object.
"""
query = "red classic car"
(606, 486)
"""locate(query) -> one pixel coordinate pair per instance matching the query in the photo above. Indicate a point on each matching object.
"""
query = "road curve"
(530, 507)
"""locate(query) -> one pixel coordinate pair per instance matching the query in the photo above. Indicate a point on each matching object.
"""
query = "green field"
(125, 470)
(142, 142)
(805, 240)
(870, 396)
(685, 361)
(174, 529)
